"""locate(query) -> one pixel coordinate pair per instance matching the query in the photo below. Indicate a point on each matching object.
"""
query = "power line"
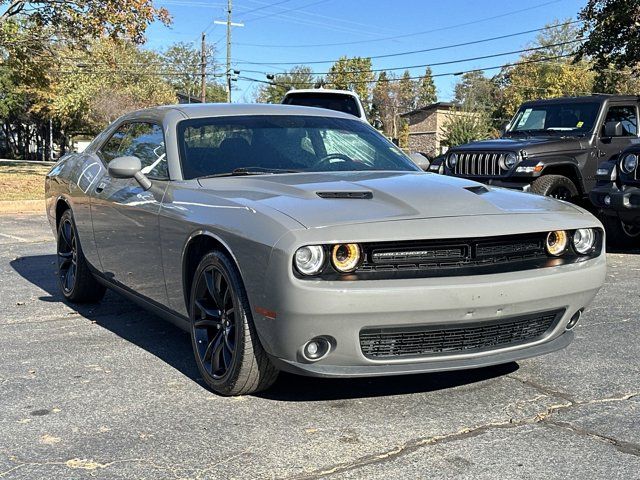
(406, 35)
(450, 62)
(286, 10)
(425, 50)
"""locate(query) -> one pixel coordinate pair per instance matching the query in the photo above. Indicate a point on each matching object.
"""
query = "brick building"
(426, 126)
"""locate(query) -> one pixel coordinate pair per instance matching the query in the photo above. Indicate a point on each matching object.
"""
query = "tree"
(77, 19)
(407, 94)
(352, 74)
(182, 64)
(464, 125)
(300, 76)
(474, 88)
(612, 28)
(426, 89)
(558, 38)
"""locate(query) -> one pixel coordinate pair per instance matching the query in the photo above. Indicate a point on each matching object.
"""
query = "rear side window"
(627, 116)
(333, 101)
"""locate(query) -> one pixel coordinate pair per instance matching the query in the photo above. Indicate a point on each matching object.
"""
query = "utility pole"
(228, 51)
(203, 70)
(229, 24)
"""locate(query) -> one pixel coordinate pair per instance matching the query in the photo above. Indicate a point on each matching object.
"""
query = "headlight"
(557, 242)
(345, 257)
(508, 161)
(629, 163)
(452, 161)
(584, 240)
(309, 260)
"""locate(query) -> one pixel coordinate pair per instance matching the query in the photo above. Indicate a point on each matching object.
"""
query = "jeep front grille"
(480, 164)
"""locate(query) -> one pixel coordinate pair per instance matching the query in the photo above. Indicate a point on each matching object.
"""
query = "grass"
(22, 181)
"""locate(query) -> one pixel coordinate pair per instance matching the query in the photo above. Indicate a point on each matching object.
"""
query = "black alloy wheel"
(214, 326)
(67, 256)
(561, 193)
(75, 278)
(225, 342)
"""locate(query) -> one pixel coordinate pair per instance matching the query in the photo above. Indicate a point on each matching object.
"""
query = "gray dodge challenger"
(300, 239)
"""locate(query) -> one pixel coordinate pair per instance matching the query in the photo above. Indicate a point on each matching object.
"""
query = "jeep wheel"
(556, 186)
(620, 234)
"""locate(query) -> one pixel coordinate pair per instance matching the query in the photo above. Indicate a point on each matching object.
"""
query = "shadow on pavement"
(173, 346)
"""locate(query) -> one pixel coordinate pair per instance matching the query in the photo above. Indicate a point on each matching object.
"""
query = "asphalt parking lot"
(111, 391)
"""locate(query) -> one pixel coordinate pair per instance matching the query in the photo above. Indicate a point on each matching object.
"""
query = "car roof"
(596, 98)
(322, 91)
(204, 110)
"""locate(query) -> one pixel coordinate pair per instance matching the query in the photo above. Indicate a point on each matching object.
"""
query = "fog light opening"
(574, 320)
(316, 349)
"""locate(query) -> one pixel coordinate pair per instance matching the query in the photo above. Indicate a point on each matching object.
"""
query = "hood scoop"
(360, 194)
(477, 189)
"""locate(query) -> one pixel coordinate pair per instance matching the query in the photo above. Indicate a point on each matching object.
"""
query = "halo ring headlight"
(452, 160)
(309, 260)
(584, 239)
(557, 242)
(345, 257)
(629, 163)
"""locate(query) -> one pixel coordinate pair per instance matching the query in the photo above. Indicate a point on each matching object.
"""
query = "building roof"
(433, 106)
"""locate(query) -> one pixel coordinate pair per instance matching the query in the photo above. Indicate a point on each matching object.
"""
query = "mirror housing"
(129, 167)
(613, 129)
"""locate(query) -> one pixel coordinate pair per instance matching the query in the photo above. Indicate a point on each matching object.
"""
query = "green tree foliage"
(474, 88)
(78, 19)
(426, 89)
(352, 74)
(612, 28)
(407, 99)
(182, 64)
(300, 76)
(464, 125)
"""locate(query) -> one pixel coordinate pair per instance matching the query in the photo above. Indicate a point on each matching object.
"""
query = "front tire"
(555, 186)
(76, 282)
(620, 234)
(228, 352)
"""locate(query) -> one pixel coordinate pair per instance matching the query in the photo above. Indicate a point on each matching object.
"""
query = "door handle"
(100, 187)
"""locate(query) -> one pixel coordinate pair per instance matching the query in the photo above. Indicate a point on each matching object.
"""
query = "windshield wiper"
(242, 171)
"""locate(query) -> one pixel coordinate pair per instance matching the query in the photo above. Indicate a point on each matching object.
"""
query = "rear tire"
(76, 282)
(555, 186)
(620, 234)
(225, 342)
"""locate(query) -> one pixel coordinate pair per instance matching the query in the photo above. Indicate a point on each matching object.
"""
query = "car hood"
(314, 199)
(532, 145)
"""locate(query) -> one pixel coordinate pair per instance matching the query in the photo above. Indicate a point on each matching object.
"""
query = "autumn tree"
(612, 28)
(300, 76)
(78, 19)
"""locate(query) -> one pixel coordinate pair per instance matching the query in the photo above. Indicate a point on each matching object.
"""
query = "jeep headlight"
(508, 161)
(309, 260)
(629, 162)
(452, 160)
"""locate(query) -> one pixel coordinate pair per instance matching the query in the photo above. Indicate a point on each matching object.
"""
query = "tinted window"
(212, 146)
(333, 101)
(559, 117)
(626, 115)
(146, 141)
(113, 147)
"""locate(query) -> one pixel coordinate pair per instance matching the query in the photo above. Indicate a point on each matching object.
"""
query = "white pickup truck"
(340, 100)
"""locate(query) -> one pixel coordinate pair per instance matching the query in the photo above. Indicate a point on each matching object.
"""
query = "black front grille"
(480, 164)
(434, 340)
(453, 257)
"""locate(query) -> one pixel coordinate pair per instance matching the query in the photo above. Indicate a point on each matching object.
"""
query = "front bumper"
(623, 203)
(305, 309)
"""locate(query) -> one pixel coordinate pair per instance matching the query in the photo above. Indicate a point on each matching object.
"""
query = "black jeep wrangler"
(617, 196)
(551, 147)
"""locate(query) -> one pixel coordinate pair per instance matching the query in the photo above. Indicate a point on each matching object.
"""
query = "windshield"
(268, 144)
(572, 118)
(331, 101)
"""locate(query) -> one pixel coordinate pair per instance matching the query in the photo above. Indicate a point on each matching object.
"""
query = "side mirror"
(129, 167)
(377, 124)
(613, 129)
(503, 128)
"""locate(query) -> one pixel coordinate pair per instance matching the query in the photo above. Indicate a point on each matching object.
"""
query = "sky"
(301, 31)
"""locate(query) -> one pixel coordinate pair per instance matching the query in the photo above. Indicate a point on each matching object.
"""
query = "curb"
(22, 206)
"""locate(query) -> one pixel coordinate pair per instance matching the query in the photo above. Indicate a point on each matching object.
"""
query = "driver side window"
(626, 116)
(113, 147)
